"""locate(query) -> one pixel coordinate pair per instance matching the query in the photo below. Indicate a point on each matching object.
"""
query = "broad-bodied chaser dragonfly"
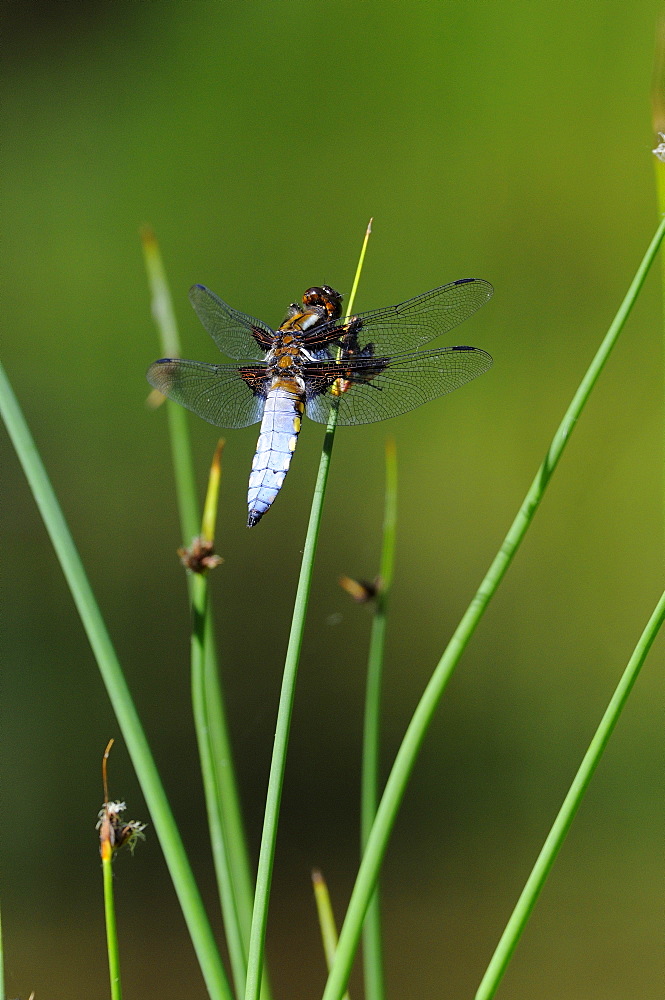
(365, 366)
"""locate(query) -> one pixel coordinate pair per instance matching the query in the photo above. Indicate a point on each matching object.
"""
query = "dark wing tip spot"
(194, 293)
(463, 347)
(489, 290)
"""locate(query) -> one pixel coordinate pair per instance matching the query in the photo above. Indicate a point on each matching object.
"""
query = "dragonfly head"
(325, 298)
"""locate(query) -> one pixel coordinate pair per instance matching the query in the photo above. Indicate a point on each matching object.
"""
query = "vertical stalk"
(224, 800)
(326, 919)
(111, 930)
(199, 591)
(372, 944)
(287, 694)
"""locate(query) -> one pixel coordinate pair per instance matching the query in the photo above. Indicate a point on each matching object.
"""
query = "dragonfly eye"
(325, 297)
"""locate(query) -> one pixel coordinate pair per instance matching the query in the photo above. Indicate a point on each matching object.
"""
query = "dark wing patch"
(224, 395)
(236, 334)
(379, 388)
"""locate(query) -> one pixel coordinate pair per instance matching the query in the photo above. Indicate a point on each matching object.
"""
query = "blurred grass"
(508, 142)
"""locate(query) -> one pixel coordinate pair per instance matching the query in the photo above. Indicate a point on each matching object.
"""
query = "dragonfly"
(364, 366)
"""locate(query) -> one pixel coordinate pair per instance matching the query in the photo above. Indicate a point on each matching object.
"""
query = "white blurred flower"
(659, 151)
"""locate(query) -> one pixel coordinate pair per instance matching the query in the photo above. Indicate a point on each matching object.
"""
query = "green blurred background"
(504, 141)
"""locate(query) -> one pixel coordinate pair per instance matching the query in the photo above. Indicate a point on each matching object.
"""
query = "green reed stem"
(372, 943)
(220, 852)
(223, 801)
(278, 761)
(167, 327)
(658, 122)
(571, 803)
(116, 686)
(326, 919)
(227, 797)
(417, 729)
(111, 930)
(202, 633)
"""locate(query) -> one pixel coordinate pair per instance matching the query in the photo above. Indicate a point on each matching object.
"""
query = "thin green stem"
(237, 954)
(359, 268)
(561, 825)
(227, 800)
(181, 450)
(372, 943)
(116, 686)
(278, 762)
(326, 919)
(284, 712)
(415, 734)
(202, 633)
(658, 122)
(659, 168)
(111, 930)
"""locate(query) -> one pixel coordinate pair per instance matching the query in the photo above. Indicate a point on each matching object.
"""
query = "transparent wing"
(415, 322)
(236, 335)
(381, 388)
(224, 395)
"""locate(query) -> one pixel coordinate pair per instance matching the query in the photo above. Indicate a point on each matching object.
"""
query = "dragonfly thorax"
(285, 351)
(319, 304)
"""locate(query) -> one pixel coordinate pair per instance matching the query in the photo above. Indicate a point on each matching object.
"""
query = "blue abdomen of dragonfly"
(277, 442)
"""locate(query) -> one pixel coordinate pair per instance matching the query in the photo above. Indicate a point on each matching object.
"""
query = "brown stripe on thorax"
(288, 383)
